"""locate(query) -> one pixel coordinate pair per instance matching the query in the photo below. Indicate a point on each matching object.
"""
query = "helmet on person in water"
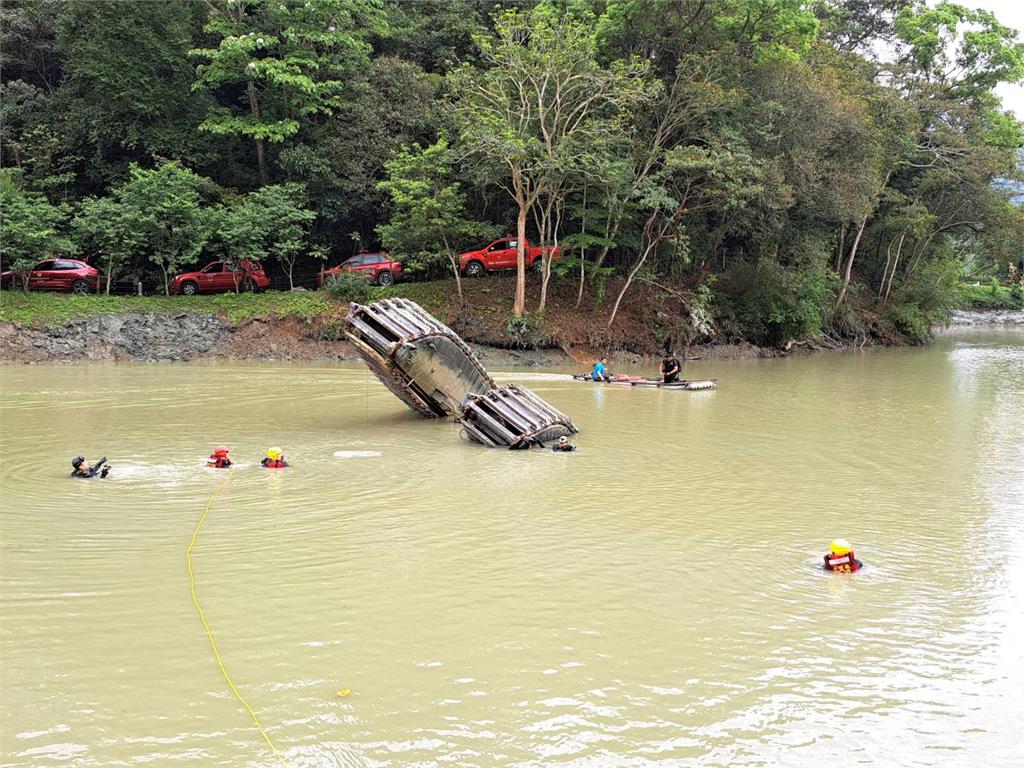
(220, 450)
(273, 454)
(77, 461)
(563, 440)
(839, 547)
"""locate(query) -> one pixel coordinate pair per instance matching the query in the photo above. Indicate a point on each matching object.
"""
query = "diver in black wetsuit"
(84, 471)
(563, 444)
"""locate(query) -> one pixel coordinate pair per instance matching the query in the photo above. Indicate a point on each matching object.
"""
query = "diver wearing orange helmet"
(219, 458)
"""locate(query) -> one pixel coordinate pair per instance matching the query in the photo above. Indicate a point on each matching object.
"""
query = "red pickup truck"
(501, 254)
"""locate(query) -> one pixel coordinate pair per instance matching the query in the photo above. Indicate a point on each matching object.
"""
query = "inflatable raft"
(641, 381)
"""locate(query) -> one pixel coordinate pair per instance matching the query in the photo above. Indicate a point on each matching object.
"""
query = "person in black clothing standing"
(670, 368)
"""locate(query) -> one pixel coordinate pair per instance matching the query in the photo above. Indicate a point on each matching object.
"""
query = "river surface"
(654, 599)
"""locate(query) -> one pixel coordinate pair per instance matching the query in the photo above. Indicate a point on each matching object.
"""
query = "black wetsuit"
(563, 447)
(668, 364)
(99, 468)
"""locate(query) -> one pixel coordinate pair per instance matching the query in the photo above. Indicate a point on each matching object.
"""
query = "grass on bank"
(991, 296)
(40, 309)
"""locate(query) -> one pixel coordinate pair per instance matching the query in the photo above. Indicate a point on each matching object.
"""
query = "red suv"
(377, 267)
(501, 254)
(219, 276)
(56, 275)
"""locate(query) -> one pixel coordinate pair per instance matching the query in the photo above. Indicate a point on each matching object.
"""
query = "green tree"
(341, 159)
(280, 63)
(428, 207)
(31, 228)
(539, 91)
(126, 94)
(165, 210)
(280, 212)
(103, 227)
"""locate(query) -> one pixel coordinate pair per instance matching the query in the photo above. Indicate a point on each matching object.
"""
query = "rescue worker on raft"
(600, 372)
(840, 558)
(563, 444)
(82, 470)
(274, 459)
(670, 368)
(219, 458)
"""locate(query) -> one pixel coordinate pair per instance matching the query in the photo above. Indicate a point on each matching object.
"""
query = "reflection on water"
(652, 600)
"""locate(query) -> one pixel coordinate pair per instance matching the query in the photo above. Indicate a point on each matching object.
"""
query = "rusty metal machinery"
(433, 371)
(512, 416)
(419, 358)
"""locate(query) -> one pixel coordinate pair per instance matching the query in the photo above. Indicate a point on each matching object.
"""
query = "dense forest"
(787, 168)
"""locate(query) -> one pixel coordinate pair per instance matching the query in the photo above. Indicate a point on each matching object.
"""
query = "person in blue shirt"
(600, 372)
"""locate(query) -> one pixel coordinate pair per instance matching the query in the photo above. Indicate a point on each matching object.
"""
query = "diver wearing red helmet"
(219, 458)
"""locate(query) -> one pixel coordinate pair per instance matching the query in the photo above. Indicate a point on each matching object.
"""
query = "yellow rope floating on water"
(209, 632)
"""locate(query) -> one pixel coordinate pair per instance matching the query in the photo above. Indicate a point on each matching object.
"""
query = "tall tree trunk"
(650, 240)
(291, 283)
(849, 261)
(453, 260)
(254, 106)
(548, 256)
(899, 250)
(583, 248)
(519, 306)
(888, 261)
(842, 248)
(110, 270)
(629, 281)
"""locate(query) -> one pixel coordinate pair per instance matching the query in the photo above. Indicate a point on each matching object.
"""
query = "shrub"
(347, 286)
(911, 322)
(771, 304)
(526, 332)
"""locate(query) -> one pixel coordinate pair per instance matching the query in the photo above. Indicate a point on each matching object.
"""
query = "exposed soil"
(648, 320)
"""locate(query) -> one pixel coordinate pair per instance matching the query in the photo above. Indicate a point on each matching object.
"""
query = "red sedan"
(56, 275)
(377, 267)
(221, 276)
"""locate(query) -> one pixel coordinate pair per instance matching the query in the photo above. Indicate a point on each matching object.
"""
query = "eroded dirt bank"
(183, 336)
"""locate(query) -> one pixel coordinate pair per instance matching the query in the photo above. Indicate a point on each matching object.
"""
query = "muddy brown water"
(651, 600)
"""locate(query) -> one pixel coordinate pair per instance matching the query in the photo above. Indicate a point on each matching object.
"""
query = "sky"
(1011, 14)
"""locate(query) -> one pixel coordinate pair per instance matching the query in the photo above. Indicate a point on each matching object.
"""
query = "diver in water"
(840, 558)
(219, 458)
(83, 470)
(563, 444)
(274, 459)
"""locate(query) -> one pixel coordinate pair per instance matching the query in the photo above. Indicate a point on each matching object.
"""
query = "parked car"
(220, 276)
(377, 267)
(56, 275)
(501, 254)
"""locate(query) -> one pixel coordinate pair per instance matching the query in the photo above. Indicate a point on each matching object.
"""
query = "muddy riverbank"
(186, 336)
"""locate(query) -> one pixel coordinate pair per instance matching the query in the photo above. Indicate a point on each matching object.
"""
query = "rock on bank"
(165, 337)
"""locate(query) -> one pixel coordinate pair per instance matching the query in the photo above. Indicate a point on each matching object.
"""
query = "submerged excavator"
(433, 371)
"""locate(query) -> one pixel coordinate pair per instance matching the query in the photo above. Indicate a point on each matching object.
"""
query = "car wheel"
(538, 265)
(189, 288)
(249, 286)
(385, 278)
(80, 287)
(475, 269)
